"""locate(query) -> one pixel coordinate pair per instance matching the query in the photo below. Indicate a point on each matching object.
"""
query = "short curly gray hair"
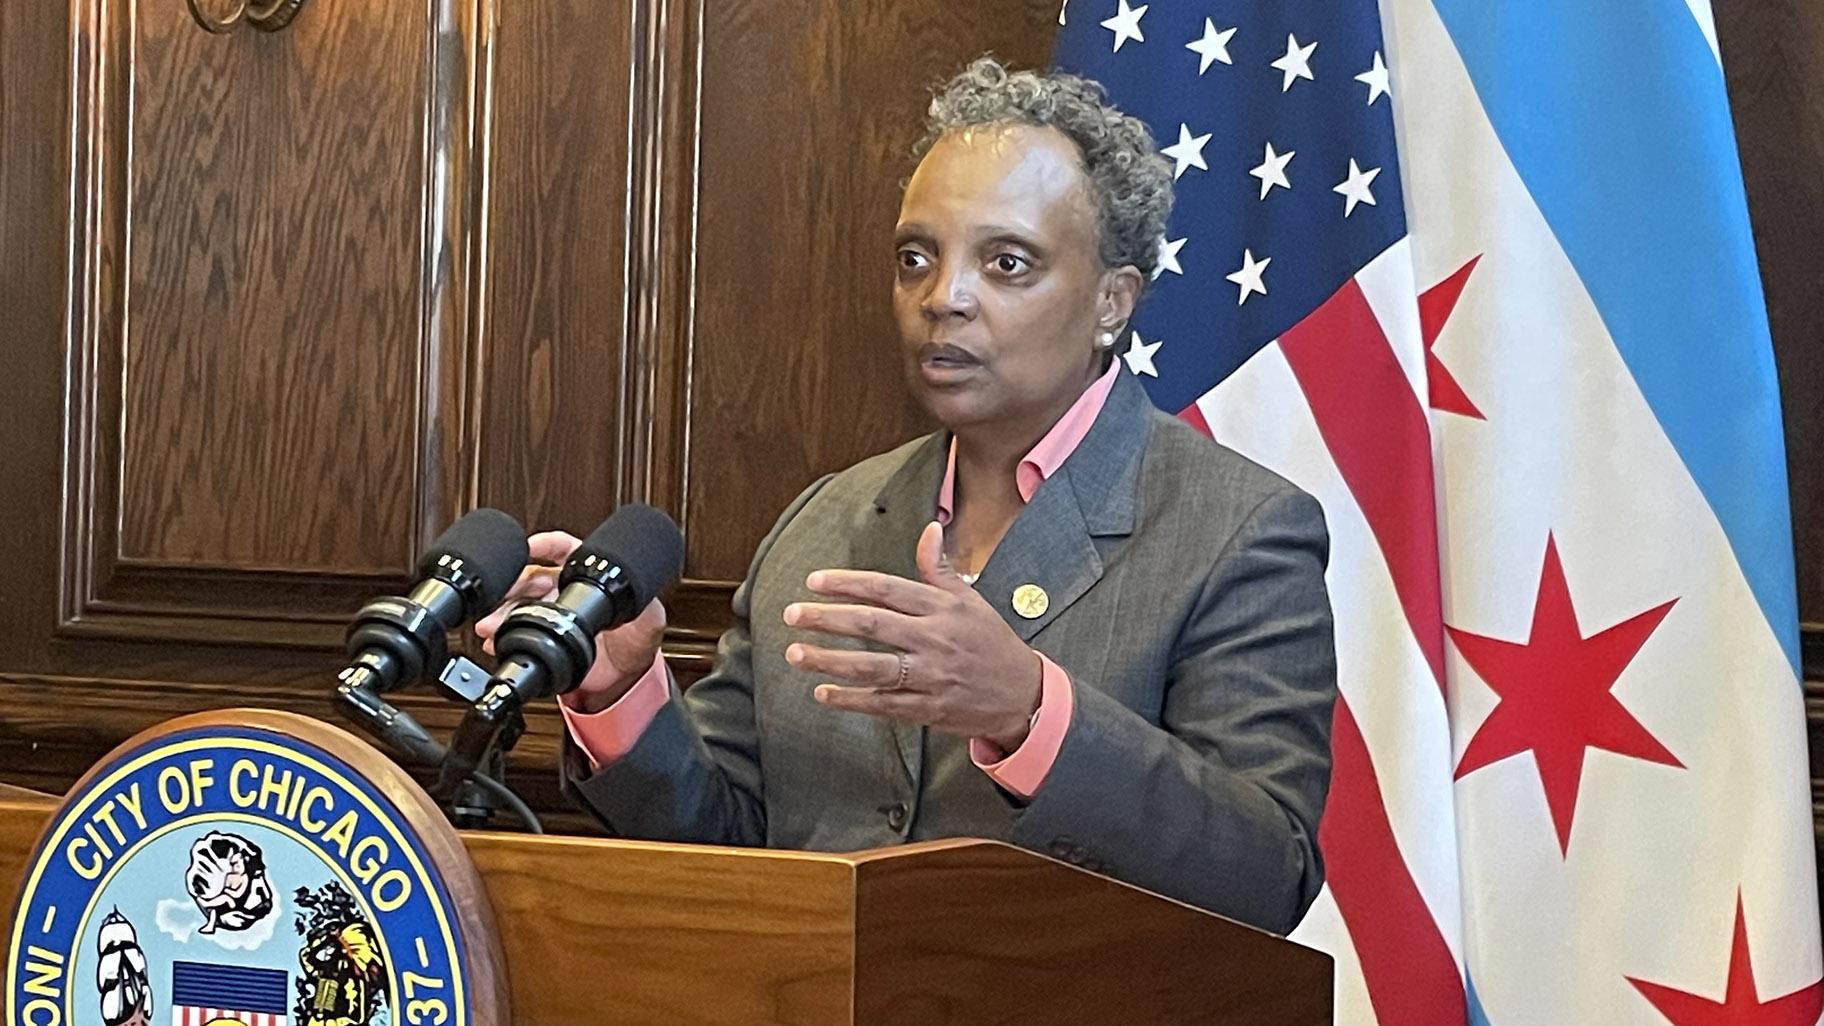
(1129, 181)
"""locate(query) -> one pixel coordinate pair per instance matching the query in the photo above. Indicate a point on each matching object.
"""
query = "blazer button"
(897, 814)
(1062, 848)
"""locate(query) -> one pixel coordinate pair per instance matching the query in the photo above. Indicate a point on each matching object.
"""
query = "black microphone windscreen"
(644, 542)
(492, 546)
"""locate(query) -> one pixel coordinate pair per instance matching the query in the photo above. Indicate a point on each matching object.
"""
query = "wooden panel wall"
(276, 308)
(255, 376)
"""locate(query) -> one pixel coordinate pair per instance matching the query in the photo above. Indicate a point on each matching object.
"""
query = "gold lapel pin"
(1030, 601)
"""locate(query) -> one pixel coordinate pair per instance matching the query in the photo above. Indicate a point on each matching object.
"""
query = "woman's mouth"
(942, 364)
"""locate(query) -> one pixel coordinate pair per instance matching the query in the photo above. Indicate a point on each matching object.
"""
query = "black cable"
(406, 737)
(513, 801)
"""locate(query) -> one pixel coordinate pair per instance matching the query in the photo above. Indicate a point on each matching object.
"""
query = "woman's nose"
(952, 294)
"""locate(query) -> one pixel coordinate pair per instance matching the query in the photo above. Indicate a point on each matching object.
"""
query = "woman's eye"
(912, 259)
(1008, 263)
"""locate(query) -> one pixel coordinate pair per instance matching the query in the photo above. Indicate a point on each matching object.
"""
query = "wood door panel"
(270, 321)
(267, 341)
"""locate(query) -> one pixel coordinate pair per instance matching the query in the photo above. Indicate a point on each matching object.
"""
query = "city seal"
(255, 868)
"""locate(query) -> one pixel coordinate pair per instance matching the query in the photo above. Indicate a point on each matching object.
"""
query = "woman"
(1066, 620)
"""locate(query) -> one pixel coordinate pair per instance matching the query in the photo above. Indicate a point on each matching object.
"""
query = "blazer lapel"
(1050, 545)
(903, 507)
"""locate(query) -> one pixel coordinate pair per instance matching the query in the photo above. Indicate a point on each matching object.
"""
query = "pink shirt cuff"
(1023, 770)
(607, 735)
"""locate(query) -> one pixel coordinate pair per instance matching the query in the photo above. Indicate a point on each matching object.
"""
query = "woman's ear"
(1121, 289)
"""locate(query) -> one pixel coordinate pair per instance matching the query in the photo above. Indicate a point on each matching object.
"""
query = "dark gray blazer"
(1187, 605)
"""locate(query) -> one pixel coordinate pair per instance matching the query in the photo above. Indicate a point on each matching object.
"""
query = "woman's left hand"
(958, 667)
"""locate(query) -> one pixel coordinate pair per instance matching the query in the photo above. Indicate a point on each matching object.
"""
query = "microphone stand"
(471, 799)
(490, 728)
(474, 805)
(542, 646)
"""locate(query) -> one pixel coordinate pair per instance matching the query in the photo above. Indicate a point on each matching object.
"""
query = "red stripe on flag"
(1194, 417)
(1410, 973)
(1380, 440)
(1379, 437)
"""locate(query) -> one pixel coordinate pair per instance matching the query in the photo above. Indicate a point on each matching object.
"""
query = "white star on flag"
(1296, 63)
(1125, 24)
(1375, 79)
(1187, 151)
(1249, 277)
(1214, 46)
(1063, 8)
(1355, 187)
(1272, 171)
(1139, 356)
(1168, 257)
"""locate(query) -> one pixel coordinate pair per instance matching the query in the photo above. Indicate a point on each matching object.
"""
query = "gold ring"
(905, 670)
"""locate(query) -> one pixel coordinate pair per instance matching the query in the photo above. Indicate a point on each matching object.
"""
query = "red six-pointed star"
(1741, 1004)
(1555, 698)
(1435, 307)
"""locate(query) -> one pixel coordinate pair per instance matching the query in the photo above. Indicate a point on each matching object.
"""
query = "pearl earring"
(1108, 340)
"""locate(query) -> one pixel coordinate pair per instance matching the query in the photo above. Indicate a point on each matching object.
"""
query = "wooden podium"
(598, 932)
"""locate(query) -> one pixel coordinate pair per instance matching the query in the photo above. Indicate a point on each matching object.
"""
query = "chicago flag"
(1478, 275)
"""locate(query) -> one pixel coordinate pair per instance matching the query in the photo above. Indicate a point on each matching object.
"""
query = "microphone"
(466, 572)
(545, 648)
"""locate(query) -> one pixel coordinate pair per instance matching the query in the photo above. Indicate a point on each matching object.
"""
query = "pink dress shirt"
(611, 733)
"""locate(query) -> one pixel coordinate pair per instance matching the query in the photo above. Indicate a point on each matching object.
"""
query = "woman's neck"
(987, 474)
(987, 499)
(988, 455)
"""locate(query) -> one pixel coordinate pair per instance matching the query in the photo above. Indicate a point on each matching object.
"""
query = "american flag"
(203, 994)
(1521, 358)
(1284, 321)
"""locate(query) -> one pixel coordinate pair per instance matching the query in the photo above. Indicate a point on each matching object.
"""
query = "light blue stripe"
(1477, 1017)
(1616, 117)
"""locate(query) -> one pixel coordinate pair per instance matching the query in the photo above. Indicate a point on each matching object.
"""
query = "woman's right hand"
(622, 655)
